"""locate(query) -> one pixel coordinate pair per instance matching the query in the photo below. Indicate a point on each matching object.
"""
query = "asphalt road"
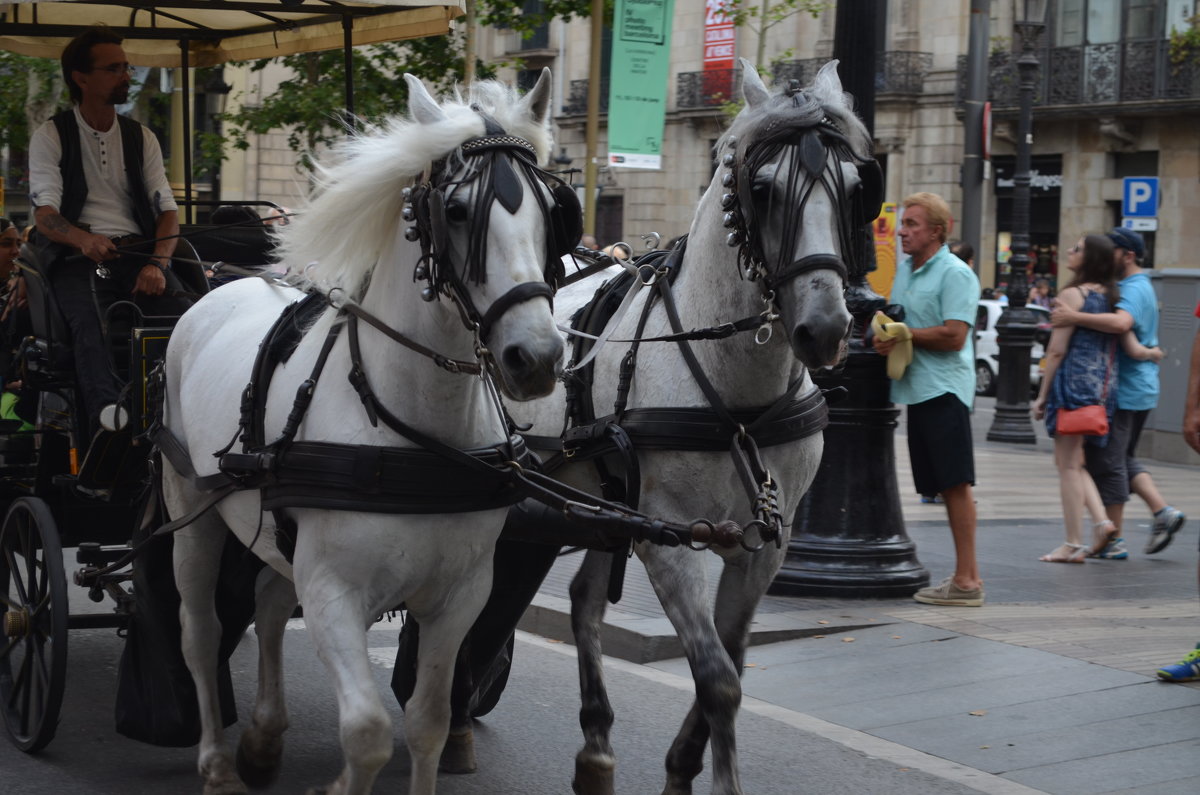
(526, 745)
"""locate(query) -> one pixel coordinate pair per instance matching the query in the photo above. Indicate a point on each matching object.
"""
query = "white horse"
(487, 226)
(790, 174)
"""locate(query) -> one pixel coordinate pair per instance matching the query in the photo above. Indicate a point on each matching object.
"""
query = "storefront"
(1045, 192)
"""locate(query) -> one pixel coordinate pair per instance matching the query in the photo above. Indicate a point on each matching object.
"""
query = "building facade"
(1116, 98)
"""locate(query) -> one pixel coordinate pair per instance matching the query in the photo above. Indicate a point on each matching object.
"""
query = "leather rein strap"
(691, 429)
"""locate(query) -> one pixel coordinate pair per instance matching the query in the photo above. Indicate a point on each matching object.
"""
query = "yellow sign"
(884, 227)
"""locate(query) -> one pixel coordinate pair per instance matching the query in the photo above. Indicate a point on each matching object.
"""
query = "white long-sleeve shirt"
(108, 210)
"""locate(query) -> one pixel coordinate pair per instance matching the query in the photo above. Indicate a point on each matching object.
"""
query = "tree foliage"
(32, 89)
(762, 15)
(309, 102)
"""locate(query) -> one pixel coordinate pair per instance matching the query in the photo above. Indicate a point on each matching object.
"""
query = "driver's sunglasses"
(115, 68)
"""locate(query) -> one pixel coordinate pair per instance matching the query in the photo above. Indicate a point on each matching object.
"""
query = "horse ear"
(827, 85)
(753, 89)
(424, 108)
(537, 102)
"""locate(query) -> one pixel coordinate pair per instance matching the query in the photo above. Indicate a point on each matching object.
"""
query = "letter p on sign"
(1139, 199)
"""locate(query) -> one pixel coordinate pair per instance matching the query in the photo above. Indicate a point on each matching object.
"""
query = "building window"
(540, 39)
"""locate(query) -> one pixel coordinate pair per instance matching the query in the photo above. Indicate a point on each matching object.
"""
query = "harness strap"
(522, 292)
(445, 362)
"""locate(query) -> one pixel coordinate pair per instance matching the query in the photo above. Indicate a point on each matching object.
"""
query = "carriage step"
(91, 553)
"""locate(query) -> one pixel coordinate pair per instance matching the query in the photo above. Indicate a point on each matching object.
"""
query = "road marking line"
(868, 744)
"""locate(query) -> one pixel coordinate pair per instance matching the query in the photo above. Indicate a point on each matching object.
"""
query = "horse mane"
(350, 219)
(824, 97)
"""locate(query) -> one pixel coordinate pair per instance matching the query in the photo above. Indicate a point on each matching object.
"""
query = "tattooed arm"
(51, 224)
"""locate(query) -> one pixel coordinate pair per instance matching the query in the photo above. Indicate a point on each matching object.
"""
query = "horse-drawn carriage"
(363, 420)
(61, 488)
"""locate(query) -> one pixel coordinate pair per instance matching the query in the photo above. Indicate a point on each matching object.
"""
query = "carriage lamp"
(1017, 325)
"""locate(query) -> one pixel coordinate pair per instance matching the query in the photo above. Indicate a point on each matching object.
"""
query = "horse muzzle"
(814, 308)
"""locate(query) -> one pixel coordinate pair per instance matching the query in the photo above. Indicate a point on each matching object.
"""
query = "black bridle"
(805, 148)
(499, 165)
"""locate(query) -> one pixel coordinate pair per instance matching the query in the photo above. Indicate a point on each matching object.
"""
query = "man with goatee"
(97, 182)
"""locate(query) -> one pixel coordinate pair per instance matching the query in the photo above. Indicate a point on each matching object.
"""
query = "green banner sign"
(637, 99)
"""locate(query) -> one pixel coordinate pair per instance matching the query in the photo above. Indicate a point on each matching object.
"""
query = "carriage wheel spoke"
(9, 603)
(10, 561)
(8, 649)
(22, 692)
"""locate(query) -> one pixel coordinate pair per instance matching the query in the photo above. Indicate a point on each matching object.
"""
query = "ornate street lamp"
(1017, 324)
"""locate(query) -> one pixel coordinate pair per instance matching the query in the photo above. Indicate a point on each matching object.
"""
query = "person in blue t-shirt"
(1114, 467)
(940, 296)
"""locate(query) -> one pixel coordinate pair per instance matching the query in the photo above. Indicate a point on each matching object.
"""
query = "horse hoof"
(458, 757)
(225, 787)
(593, 776)
(260, 769)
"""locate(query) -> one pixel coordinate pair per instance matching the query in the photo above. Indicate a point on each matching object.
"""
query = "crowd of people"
(1100, 383)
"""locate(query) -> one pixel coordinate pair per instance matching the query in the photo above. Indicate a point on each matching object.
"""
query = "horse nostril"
(515, 359)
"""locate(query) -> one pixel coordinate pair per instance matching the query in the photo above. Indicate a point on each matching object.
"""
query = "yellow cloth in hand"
(901, 356)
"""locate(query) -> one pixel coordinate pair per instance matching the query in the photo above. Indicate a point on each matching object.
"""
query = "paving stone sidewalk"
(1050, 685)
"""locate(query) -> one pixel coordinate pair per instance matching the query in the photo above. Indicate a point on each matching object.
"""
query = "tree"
(762, 15)
(307, 104)
(33, 91)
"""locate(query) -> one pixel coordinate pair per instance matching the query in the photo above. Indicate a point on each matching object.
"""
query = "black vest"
(75, 189)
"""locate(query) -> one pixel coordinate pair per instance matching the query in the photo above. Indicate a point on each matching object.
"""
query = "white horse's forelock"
(823, 97)
(350, 219)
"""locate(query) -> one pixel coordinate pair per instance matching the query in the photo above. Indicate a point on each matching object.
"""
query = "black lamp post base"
(818, 566)
(1012, 424)
(849, 529)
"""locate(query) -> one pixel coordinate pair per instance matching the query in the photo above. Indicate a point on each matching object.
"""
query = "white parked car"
(987, 350)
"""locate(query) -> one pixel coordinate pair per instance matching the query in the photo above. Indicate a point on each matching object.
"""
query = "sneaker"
(1113, 550)
(950, 595)
(936, 499)
(1166, 524)
(1186, 670)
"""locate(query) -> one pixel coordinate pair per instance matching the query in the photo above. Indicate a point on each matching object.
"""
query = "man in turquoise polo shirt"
(940, 296)
(1114, 467)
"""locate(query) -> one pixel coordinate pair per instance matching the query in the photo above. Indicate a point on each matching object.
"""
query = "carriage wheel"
(34, 610)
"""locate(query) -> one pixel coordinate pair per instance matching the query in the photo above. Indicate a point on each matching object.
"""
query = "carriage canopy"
(217, 31)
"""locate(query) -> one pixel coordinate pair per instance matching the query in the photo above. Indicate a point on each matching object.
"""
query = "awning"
(217, 31)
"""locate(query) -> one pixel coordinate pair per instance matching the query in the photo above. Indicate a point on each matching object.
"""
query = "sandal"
(1075, 553)
(1103, 532)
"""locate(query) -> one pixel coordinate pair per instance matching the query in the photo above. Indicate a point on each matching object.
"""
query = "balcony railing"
(709, 89)
(902, 72)
(577, 98)
(1093, 75)
(803, 70)
(896, 71)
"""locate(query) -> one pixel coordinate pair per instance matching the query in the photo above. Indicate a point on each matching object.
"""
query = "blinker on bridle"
(500, 159)
(808, 148)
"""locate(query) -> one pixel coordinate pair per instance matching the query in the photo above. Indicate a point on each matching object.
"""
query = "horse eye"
(456, 212)
(761, 190)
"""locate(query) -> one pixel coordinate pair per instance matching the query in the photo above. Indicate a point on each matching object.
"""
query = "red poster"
(719, 37)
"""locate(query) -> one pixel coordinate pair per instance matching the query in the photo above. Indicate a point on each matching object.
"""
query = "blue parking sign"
(1139, 197)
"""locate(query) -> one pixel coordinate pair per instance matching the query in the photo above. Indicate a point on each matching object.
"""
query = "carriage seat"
(248, 246)
(47, 353)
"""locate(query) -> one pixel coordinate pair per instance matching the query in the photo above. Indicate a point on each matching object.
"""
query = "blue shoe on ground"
(1113, 550)
(936, 499)
(1186, 670)
(1167, 523)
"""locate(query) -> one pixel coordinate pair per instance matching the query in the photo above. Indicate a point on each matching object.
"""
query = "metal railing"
(1093, 75)
(709, 89)
(577, 98)
(902, 71)
(896, 71)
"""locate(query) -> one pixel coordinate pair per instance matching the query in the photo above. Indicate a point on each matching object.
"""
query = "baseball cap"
(1128, 240)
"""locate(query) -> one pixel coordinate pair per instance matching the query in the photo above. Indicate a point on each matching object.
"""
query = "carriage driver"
(97, 182)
